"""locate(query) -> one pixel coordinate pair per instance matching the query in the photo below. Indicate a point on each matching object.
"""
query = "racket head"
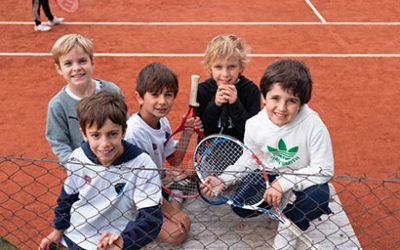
(69, 6)
(215, 153)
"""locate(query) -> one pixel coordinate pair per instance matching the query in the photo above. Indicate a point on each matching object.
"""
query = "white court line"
(215, 23)
(33, 54)
(316, 12)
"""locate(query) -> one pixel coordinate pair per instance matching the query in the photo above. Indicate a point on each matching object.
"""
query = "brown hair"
(291, 75)
(154, 78)
(103, 105)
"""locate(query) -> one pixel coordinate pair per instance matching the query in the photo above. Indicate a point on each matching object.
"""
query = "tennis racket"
(245, 178)
(224, 118)
(69, 6)
(184, 185)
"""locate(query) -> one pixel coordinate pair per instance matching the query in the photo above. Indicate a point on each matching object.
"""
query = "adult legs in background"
(36, 5)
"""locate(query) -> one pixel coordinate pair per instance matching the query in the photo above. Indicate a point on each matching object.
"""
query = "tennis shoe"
(56, 20)
(285, 239)
(42, 27)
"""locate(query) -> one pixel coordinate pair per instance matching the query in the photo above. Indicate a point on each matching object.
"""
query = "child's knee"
(173, 234)
(178, 238)
(176, 231)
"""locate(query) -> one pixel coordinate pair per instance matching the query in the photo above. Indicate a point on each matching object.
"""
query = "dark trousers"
(36, 4)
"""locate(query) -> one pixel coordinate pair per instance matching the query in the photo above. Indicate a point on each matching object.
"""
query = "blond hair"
(67, 42)
(225, 47)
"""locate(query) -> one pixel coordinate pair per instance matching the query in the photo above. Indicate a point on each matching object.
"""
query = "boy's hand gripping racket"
(183, 184)
(69, 6)
(245, 184)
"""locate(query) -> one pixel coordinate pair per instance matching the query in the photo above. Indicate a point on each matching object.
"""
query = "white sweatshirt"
(301, 149)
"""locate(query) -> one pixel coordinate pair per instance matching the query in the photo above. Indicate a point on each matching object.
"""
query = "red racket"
(69, 6)
(184, 185)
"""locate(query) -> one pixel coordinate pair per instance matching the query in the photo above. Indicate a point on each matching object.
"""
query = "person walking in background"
(53, 20)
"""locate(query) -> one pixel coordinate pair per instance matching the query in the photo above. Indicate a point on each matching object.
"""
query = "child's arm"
(242, 104)
(147, 197)
(273, 195)
(57, 133)
(208, 111)
(53, 237)
(212, 186)
(241, 110)
(62, 217)
(62, 213)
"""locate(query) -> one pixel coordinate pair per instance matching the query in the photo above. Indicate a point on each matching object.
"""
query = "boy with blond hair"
(225, 60)
(73, 58)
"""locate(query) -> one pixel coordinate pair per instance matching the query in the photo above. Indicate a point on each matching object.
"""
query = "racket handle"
(224, 116)
(193, 91)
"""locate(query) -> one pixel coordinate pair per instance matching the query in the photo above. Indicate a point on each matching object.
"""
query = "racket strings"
(215, 154)
(187, 186)
(250, 189)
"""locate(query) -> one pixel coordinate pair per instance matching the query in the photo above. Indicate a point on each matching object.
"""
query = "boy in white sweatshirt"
(290, 137)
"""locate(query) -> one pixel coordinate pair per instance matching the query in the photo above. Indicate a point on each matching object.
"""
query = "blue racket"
(244, 176)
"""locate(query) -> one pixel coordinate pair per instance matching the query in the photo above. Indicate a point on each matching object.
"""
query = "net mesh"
(366, 213)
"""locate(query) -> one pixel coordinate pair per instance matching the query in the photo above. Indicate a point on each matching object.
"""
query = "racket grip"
(193, 91)
(224, 116)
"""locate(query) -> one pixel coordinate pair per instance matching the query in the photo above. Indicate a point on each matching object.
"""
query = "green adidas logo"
(282, 155)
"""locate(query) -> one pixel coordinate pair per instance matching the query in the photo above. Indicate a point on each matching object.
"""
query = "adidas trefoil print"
(282, 155)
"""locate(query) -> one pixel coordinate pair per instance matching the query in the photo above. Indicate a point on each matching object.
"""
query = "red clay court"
(351, 47)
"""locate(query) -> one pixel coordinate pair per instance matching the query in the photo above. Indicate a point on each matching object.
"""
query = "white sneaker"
(42, 27)
(56, 20)
(284, 239)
